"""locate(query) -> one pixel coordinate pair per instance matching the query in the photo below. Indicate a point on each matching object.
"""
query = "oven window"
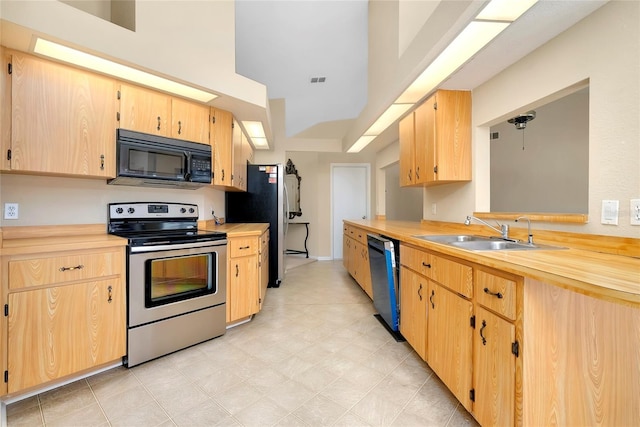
(179, 278)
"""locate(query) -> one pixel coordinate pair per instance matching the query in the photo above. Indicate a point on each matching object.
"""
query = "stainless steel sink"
(481, 243)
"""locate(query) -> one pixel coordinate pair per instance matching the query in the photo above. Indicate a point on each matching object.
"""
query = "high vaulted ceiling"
(284, 44)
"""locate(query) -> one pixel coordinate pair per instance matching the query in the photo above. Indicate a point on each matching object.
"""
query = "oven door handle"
(140, 249)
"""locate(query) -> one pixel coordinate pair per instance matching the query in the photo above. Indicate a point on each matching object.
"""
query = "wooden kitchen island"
(536, 337)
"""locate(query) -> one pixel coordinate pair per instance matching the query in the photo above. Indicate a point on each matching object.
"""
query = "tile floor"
(314, 356)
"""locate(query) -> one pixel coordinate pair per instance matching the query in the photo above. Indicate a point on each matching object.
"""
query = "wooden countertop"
(236, 229)
(605, 276)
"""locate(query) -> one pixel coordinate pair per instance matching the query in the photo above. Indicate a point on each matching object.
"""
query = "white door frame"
(367, 167)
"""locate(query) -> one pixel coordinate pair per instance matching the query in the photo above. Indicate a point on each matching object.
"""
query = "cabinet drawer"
(66, 268)
(415, 259)
(453, 275)
(496, 293)
(359, 234)
(243, 246)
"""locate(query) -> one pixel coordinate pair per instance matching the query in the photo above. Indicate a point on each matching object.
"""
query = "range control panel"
(152, 210)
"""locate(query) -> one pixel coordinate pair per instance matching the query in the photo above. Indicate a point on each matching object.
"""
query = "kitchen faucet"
(530, 239)
(503, 231)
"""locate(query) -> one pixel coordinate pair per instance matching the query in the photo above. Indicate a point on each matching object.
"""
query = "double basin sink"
(481, 243)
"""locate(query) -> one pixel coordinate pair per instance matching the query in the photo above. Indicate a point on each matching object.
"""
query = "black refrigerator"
(264, 201)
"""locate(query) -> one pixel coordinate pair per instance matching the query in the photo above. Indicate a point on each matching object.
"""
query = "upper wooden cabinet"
(63, 120)
(435, 140)
(156, 113)
(221, 145)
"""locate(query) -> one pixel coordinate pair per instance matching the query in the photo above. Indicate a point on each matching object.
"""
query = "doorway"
(350, 198)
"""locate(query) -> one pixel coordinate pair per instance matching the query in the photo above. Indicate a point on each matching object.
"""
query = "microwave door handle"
(187, 174)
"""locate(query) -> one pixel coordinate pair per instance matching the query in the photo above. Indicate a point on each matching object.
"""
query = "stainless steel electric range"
(176, 278)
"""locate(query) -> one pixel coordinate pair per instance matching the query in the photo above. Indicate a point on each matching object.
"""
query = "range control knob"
(182, 210)
(191, 210)
(119, 210)
(131, 210)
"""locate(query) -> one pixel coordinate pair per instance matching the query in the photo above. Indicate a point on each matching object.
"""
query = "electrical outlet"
(10, 211)
(634, 212)
(434, 209)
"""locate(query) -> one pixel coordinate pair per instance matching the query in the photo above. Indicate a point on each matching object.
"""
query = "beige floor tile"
(320, 411)
(25, 414)
(315, 378)
(126, 403)
(149, 415)
(219, 382)
(351, 420)
(238, 397)
(58, 405)
(113, 383)
(462, 418)
(290, 394)
(264, 412)
(345, 392)
(209, 414)
(291, 421)
(88, 415)
(181, 398)
(377, 409)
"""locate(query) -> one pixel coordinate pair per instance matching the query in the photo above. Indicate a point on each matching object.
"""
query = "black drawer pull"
(424, 264)
(77, 267)
(420, 292)
(244, 247)
(484, 325)
(431, 299)
(495, 294)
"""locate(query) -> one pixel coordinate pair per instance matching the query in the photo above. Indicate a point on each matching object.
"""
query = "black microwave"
(156, 161)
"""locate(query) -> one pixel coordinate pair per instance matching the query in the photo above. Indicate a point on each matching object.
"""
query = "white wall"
(603, 48)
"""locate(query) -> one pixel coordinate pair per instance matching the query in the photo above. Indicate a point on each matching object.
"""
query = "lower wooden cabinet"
(66, 314)
(263, 266)
(243, 277)
(58, 331)
(413, 310)
(355, 253)
(449, 335)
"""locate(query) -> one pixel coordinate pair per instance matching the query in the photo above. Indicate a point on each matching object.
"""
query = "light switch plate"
(610, 209)
(634, 212)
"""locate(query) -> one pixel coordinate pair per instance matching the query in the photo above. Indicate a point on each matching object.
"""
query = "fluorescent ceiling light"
(362, 142)
(473, 38)
(387, 118)
(505, 10)
(92, 62)
(255, 131)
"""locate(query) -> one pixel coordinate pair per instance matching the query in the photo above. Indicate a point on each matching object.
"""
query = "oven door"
(172, 280)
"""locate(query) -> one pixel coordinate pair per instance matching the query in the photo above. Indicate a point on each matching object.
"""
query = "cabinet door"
(494, 370)
(62, 330)
(244, 287)
(449, 335)
(365, 270)
(426, 140)
(63, 119)
(453, 136)
(264, 266)
(413, 310)
(239, 164)
(346, 251)
(222, 144)
(145, 110)
(189, 121)
(407, 145)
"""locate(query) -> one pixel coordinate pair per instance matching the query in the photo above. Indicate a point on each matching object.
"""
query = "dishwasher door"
(382, 262)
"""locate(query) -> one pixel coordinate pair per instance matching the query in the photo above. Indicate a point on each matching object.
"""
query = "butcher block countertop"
(25, 240)
(236, 230)
(601, 275)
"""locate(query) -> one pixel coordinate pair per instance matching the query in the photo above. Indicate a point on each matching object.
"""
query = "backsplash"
(47, 200)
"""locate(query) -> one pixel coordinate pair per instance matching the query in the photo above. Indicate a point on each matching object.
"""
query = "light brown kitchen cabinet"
(148, 111)
(221, 130)
(243, 277)
(63, 120)
(264, 266)
(66, 314)
(190, 121)
(239, 176)
(435, 140)
(413, 310)
(356, 257)
(449, 337)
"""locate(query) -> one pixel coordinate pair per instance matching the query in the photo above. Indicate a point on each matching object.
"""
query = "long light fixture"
(256, 133)
(95, 63)
(490, 22)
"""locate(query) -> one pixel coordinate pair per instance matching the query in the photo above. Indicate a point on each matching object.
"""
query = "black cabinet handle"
(179, 127)
(102, 162)
(110, 289)
(158, 122)
(237, 270)
(484, 325)
(431, 299)
(424, 264)
(495, 294)
(420, 291)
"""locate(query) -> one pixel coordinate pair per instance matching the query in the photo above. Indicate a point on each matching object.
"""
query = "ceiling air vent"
(318, 79)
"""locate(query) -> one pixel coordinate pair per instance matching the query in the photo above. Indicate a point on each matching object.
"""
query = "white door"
(349, 198)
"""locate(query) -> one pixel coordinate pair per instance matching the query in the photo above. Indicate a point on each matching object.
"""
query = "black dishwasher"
(384, 282)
